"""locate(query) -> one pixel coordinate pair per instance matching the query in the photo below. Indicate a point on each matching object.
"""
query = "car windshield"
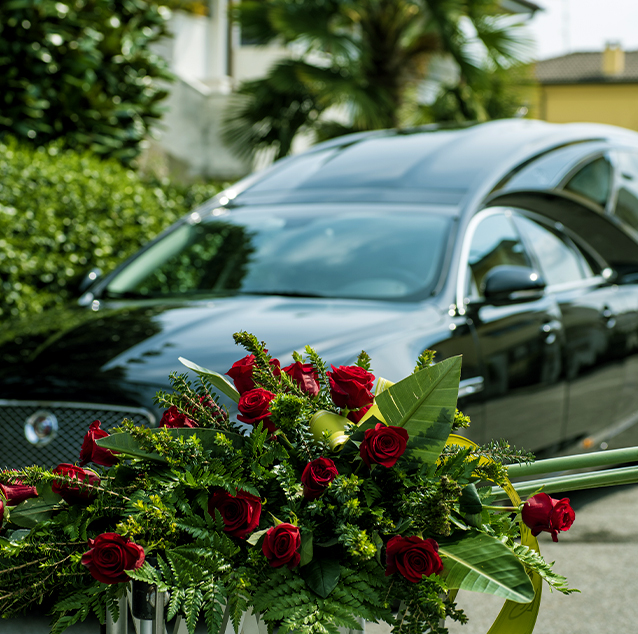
(323, 253)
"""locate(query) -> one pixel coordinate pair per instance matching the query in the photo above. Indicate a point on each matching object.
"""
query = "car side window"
(495, 242)
(592, 181)
(559, 259)
(626, 208)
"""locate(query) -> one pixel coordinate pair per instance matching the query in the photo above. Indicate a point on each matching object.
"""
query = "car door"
(520, 341)
(598, 327)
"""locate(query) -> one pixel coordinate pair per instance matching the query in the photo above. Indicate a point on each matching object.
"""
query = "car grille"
(37, 419)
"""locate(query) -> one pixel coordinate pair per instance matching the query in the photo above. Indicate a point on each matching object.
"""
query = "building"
(601, 87)
(209, 59)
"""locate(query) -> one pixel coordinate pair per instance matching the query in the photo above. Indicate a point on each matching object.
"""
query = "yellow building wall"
(616, 104)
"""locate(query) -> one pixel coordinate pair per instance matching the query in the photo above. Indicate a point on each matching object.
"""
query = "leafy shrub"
(64, 212)
(81, 70)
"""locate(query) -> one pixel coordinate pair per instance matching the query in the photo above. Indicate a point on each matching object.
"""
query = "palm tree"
(359, 65)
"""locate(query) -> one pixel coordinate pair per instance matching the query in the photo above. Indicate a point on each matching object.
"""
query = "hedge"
(82, 70)
(63, 212)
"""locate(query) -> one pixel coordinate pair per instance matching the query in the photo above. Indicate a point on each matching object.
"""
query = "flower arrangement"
(335, 497)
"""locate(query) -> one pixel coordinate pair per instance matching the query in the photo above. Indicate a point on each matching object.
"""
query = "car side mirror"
(506, 284)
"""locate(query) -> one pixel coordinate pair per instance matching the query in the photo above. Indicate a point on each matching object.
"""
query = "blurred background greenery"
(86, 85)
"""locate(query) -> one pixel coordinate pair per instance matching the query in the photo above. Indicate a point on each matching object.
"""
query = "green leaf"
(126, 444)
(219, 381)
(322, 575)
(424, 404)
(470, 501)
(481, 563)
(253, 540)
(306, 548)
(33, 511)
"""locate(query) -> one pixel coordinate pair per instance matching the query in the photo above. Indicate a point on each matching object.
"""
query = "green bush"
(64, 212)
(81, 70)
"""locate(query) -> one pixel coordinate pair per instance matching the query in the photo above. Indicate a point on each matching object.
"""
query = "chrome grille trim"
(73, 419)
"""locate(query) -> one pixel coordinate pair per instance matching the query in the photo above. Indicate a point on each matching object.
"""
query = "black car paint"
(555, 371)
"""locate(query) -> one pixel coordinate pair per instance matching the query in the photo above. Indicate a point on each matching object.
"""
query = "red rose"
(316, 477)
(383, 445)
(413, 557)
(173, 418)
(281, 546)
(242, 372)
(75, 493)
(305, 376)
(356, 415)
(240, 513)
(254, 407)
(350, 386)
(543, 513)
(110, 555)
(18, 492)
(91, 452)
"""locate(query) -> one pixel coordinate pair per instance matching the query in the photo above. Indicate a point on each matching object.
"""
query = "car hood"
(138, 344)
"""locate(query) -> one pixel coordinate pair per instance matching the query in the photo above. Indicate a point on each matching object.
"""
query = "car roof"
(432, 164)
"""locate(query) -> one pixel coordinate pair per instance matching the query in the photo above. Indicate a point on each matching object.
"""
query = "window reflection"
(495, 242)
(593, 181)
(627, 197)
(391, 255)
(559, 262)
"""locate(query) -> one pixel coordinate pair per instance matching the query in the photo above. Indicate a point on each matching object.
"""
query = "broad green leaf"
(46, 494)
(469, 500)
(481, 563)
(33, 511)
(125, 444)
(306, 548)
(219, 381)
(254, 538)
(424, 405)
(322, 575)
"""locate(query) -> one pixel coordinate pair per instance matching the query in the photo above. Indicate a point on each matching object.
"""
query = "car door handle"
(608, 317)
(550, 330)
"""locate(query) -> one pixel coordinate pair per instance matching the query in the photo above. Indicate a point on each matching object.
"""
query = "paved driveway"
(598, 556)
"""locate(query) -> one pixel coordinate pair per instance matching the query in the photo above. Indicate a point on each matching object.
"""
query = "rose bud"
(413, 557)
(242, 372)
(281, 546)
(254, 406)
(92, 452)
(83, 491)
(18, 492)
(173, 419)
(305, 376)
(317, 476)
(383, 445)
(110, 555)
(240, 512)
(1, 512)
(350, 386)
(543, 513)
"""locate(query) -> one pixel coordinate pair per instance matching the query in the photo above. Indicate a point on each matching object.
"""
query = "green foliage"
(533, 560)
(203, 500)
(63, 213)
(361, 65)
(82, 71)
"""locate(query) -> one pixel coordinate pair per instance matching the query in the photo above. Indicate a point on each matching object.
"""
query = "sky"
(569, 26)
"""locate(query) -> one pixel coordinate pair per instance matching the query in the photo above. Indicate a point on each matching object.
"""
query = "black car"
(513, 243)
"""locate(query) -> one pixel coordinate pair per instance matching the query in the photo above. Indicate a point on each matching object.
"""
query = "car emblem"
(41, 428)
